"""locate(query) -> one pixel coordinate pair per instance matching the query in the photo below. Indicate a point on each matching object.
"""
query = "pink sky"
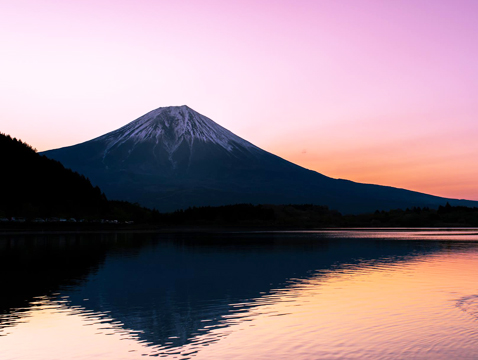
(373, 91)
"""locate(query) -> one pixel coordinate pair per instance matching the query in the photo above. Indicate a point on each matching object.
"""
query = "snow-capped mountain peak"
(172, 126)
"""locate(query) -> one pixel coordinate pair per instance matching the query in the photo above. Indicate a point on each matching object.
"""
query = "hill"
(36, 186)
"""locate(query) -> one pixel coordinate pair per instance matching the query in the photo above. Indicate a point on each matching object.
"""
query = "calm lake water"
(285, 295)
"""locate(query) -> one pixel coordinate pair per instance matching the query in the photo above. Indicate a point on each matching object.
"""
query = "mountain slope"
(174, 157)
(37, 186)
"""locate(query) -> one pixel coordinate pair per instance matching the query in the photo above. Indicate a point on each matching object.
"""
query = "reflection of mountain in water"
(172, 288)
(177, 289)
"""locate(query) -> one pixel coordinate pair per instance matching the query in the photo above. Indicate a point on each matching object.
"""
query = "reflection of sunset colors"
(374, 91)
(53, 332)
(425, 307)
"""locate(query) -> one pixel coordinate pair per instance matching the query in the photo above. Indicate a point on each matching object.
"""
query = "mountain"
(174, 157)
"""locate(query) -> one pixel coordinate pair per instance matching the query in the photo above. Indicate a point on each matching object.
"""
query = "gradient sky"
(374, 91)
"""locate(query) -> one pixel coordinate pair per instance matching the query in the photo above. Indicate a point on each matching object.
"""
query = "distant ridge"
(173, 158)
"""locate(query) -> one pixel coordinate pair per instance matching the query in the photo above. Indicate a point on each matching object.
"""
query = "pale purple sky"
(373, 91)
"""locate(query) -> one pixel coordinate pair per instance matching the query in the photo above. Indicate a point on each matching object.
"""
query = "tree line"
(34, 186)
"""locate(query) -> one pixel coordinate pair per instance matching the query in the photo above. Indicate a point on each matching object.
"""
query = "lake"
(342, 294)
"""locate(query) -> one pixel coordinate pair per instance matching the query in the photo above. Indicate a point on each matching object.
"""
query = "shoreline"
(113, 228)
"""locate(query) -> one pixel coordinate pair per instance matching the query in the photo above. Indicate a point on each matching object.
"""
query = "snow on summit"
(170, 127)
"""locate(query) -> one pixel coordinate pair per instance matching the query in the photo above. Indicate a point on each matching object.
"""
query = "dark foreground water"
(302, 295)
